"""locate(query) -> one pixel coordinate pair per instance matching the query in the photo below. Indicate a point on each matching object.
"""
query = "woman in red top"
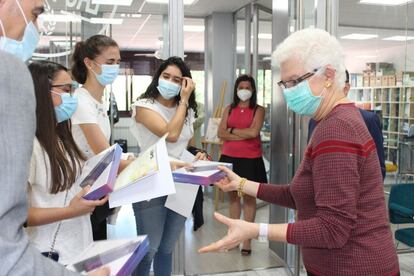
(342, 224)
(240, 131)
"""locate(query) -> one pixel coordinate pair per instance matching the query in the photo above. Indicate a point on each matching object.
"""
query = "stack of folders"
(201, 173)
(121, 256)
(100, 173)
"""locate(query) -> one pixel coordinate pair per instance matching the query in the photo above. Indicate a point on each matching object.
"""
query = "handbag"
(52, 254)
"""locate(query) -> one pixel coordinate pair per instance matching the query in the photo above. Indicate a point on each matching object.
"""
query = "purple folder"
(138, 249)
(103, 175)
(200, 176)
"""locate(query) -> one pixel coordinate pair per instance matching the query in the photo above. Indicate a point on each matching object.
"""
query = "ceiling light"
(59, 18)
(264, 36)
(385, 2)
(113, 2)
(131, 15)
(112, 21)
(193, 28)
(240, 48)
(186, 2)
(399, 38)
(359, 36)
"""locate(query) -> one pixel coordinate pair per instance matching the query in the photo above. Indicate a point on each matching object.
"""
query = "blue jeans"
(163, 228)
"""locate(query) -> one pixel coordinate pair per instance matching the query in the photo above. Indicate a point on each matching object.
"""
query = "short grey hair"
(314, 48)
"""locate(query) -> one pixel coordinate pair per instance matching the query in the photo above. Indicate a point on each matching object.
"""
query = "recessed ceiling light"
(112, 21)
(264, 36)
(359, 36)
(399, 38)
(113, 2)
(194, 28)
(385, 2)
(186, 2)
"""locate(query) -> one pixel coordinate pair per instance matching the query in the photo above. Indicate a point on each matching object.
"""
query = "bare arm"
(222, 132)
(254, 130)
(98, 142)
(77, 207)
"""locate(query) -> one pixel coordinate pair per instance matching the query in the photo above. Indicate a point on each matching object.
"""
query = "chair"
(401, 210)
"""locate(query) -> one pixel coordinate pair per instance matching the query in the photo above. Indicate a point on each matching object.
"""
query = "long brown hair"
(64, 162)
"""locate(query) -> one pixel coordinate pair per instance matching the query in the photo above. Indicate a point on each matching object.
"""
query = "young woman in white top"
(58, 218)
(95, 64)
(167, 106)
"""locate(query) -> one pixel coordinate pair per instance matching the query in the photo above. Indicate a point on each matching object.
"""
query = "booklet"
(121, 256)
(201, 173)
(100, 172)
(147, 177)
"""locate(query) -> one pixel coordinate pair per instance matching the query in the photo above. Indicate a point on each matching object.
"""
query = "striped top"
(342, 224)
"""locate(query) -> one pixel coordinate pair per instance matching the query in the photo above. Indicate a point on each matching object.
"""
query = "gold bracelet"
(240, 192)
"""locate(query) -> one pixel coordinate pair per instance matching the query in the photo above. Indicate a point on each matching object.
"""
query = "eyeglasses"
(67, 87)
(292, 83)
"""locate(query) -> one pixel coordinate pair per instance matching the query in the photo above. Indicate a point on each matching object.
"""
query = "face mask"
(25, 48)
(168, 90)
(68, 106)
(301, 100)
(244, 94)
(108, 74)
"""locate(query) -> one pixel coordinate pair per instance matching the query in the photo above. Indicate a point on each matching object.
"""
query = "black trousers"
(98, 221)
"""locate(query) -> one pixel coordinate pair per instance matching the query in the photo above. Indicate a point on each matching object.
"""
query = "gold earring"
(328, 84)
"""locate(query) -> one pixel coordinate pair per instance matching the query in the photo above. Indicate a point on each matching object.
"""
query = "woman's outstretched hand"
(238, 231)
(230, 182)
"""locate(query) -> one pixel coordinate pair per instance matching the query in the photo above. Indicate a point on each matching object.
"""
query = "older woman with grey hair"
(342, 224)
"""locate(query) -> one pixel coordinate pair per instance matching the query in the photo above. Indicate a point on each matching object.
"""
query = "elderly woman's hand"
(238, 231)
(230, 182)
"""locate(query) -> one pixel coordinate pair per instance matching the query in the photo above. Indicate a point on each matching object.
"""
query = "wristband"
(263, 232)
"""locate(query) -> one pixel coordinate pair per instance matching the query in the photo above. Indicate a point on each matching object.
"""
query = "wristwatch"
(263, 232)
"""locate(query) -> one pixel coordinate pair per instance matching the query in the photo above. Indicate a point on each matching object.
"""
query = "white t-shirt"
(75, 234)
(146, 138)
(89, 111)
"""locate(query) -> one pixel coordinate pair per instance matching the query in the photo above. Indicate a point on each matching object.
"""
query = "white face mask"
(244, 94)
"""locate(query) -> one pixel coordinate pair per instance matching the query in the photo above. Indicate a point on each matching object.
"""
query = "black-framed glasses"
(67, 87)
(292, 83)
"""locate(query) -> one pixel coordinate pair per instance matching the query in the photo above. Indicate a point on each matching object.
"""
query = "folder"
(100, 173)
(147, 177)
(201, 173)
(121, 256)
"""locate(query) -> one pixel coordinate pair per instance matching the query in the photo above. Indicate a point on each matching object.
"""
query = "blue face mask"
(167, 89)
(108, 74)
(301, 100)
(25, 48)
(67, 108)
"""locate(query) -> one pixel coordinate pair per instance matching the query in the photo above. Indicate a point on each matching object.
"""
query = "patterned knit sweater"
(342, 224)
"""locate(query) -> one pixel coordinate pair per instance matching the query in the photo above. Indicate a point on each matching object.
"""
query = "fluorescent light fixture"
(359, 36)
(194, 28)
(112, 21)
(131, 15)
(385, 2)
(59, 18)
(186, 2)
(113, 2)
(240, 48)
(399, 38)
(264, 36)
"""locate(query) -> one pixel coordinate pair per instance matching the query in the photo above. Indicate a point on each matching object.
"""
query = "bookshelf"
(396, 106)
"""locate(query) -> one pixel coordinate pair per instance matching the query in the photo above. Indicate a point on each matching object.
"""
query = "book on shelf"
(100, 172)
(121, 256)
(201, 173)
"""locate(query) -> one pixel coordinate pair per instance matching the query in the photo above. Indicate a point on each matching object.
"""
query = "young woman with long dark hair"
(240, 130)
(58, 216)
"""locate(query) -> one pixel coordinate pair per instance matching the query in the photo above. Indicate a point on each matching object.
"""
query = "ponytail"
(90, 48)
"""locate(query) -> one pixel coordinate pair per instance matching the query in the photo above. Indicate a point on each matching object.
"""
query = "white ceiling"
(134, 34)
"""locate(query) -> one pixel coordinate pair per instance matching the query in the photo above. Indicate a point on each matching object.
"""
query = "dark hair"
(90, 48)
(253, 99)
(64, 162)
(152, 91)
(346, 76)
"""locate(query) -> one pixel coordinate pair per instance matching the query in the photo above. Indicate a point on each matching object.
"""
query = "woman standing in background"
(240, 131)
